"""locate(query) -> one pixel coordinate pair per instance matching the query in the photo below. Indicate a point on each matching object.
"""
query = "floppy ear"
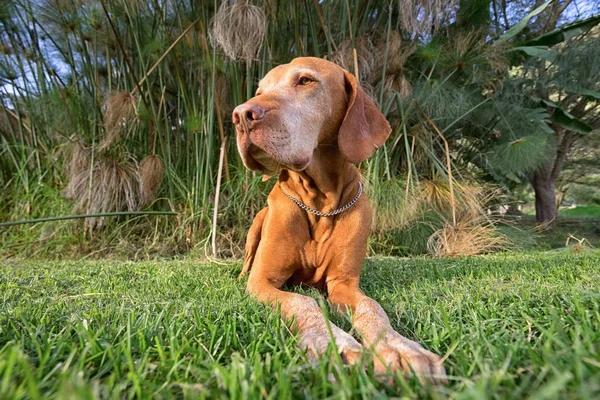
(364, 128)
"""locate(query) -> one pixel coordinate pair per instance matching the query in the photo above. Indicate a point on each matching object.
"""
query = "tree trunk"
(546, 211)
(544, 179)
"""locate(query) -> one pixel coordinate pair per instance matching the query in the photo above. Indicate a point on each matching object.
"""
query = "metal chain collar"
(327, 214)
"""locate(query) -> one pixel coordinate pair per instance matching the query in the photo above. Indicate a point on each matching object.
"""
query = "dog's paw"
(395, 353)
(316, 340)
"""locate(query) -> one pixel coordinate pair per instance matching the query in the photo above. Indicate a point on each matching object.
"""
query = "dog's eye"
(305, 80)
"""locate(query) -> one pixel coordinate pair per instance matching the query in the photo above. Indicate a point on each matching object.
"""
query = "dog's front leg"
(393, 352)
(253, 240)
(313, 329)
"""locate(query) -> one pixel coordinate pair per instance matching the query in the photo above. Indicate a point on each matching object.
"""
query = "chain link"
(327, 214)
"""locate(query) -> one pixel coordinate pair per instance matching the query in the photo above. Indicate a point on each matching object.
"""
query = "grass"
(579, 227)
(590, 211)
(515, 325)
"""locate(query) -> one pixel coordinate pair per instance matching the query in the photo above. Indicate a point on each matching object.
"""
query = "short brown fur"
(310, 122)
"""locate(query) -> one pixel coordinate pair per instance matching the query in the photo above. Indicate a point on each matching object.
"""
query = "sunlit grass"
(514, 325)
(582, 211)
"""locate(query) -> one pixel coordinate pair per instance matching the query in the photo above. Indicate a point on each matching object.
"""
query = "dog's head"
(301, 105)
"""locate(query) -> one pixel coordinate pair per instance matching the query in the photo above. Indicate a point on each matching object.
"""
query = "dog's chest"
(316, 258)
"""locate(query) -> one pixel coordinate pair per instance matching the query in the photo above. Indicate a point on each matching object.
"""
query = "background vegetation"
(119, 110)
(114, 106)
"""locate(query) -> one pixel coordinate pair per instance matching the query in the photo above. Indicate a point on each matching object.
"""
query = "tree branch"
(562, 151)
(506, 24)
(556, 11)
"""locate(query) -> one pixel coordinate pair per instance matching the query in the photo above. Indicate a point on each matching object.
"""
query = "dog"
(310, 122)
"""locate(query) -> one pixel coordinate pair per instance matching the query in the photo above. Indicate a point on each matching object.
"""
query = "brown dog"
(310, 121)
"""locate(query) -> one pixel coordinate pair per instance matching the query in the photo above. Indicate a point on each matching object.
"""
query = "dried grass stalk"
(398, 83)
(150, 175)
(367, 54)
(77, 160)
(239, 29)
(469, 236)
(371, 92)
(223, 95)
(398, 51)
(120, 108)
(398, 54)
(423, 17)
(468, 48)
(470, 199)
(392, 209)
(371, 57)
(8, 119)
(578, 245)
(114, 187)
(474, 231)
(435, 193)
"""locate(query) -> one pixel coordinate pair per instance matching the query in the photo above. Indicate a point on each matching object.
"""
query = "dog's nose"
(248, 111)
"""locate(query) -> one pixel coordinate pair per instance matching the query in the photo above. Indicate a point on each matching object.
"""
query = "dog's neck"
(322, 184)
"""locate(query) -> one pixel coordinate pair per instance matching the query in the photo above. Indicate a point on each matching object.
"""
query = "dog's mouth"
(265, 157)
(259, 159)
(267, 164)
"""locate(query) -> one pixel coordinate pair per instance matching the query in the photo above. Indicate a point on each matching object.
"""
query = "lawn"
(514, 325)
(591, 211)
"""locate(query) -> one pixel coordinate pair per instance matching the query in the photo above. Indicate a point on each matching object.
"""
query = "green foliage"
(575, 227)
(566, 120)
(121, 85)
(408, 241)
(474, 13)
(565, 32)
(583, 194)
(521, 25)
(512, 326)
(127, 80)
(517, 159)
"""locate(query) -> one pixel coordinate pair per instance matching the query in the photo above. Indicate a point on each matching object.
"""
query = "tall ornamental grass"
(124, 106)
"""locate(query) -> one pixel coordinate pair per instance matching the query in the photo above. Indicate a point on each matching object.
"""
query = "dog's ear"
(364, 128)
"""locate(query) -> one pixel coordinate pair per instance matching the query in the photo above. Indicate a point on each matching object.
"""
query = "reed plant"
(125, 106)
